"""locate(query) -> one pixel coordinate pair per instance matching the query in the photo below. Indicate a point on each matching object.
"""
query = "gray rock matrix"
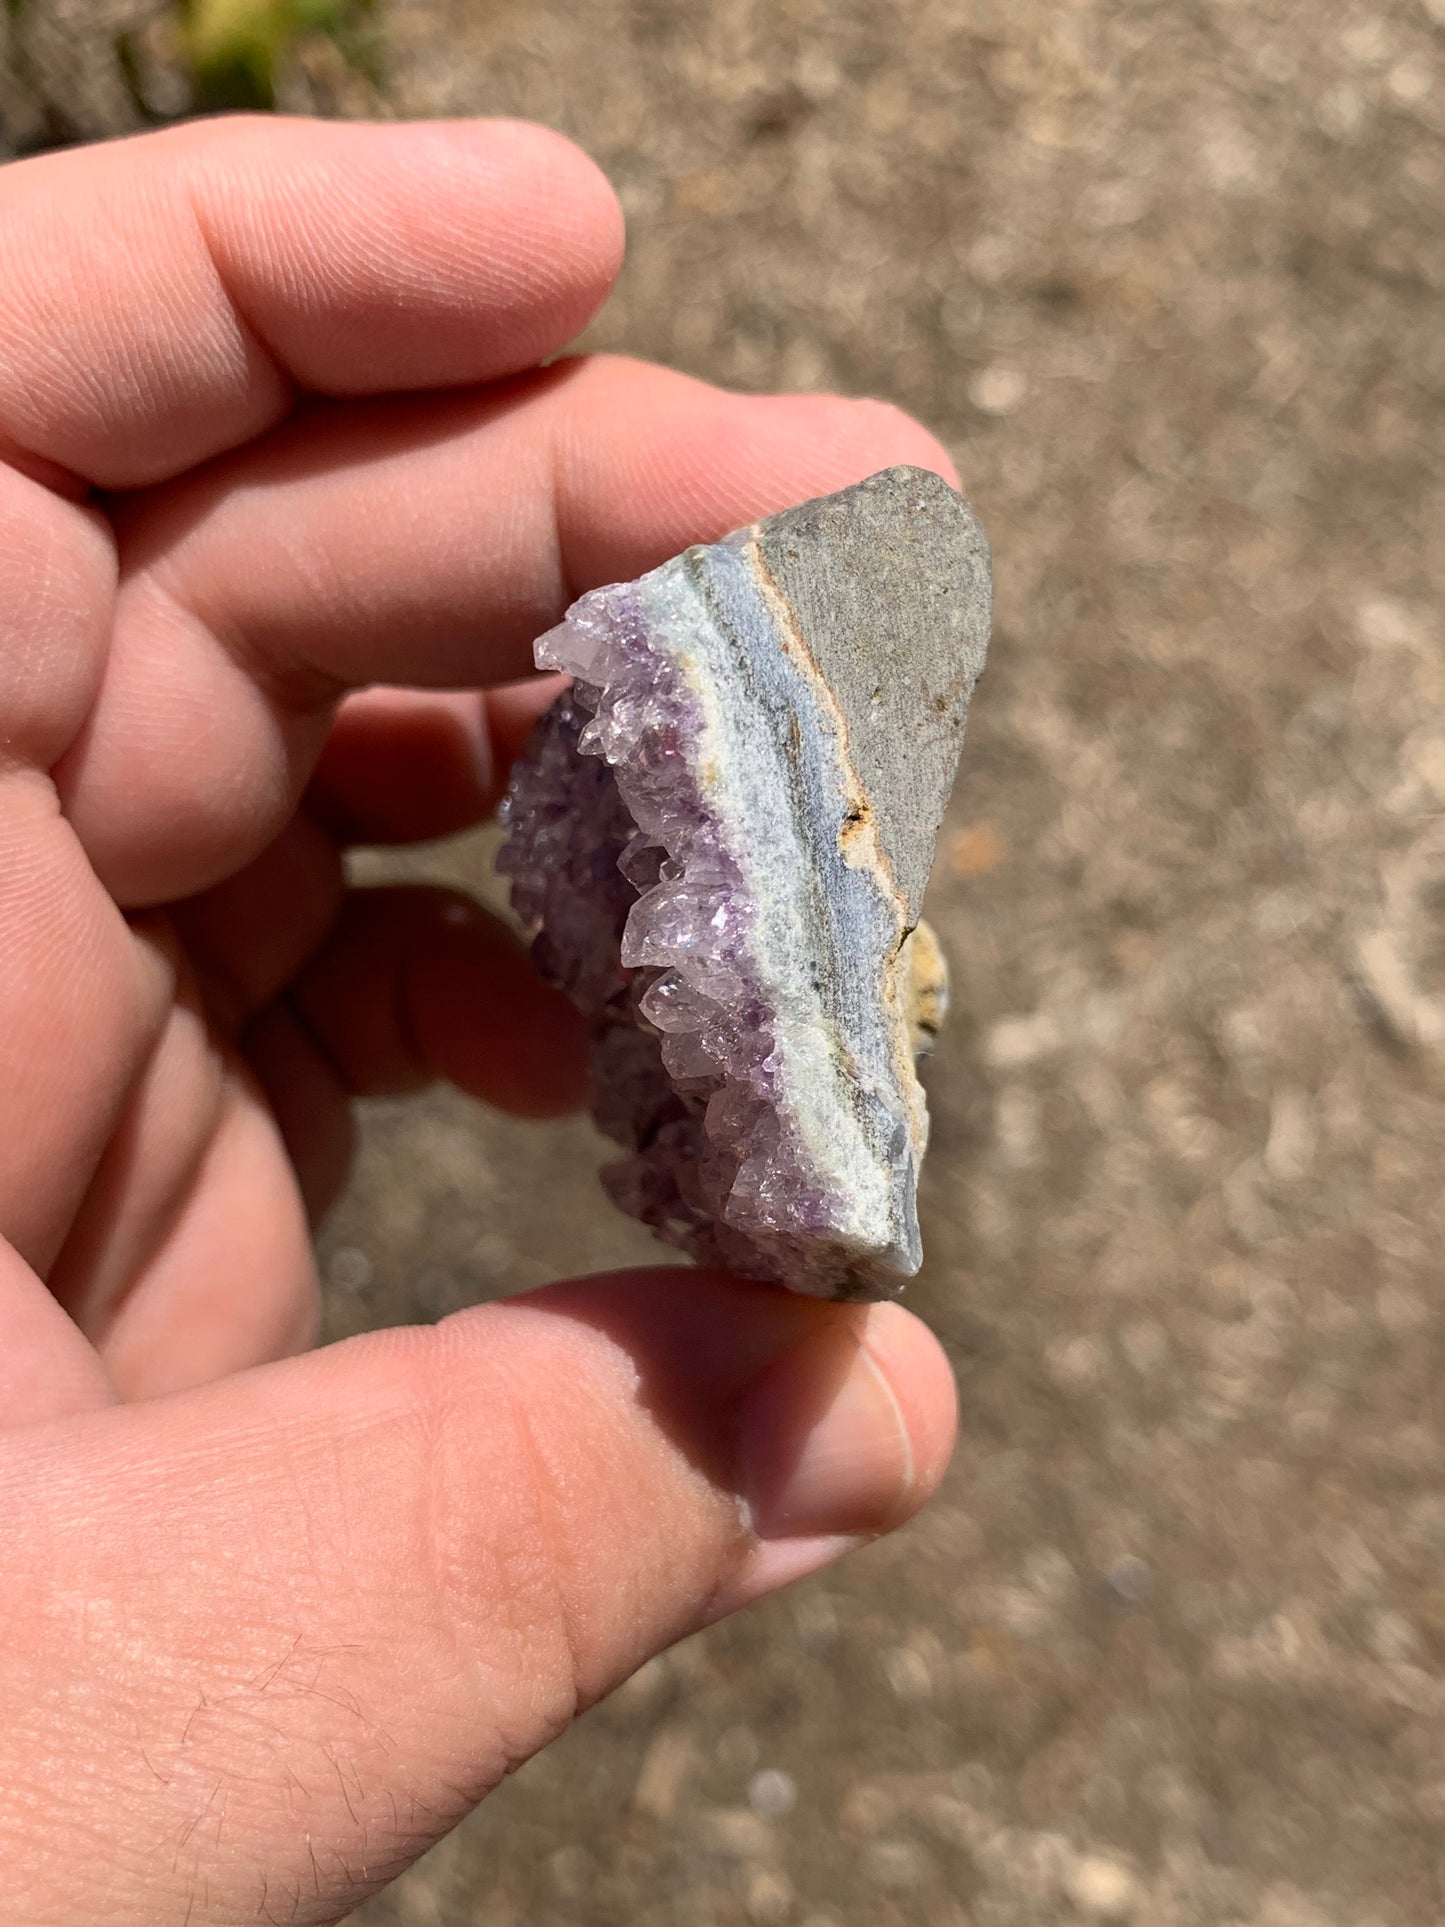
(889, 583)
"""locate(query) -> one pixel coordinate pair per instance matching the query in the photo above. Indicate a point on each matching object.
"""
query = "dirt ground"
(1170, 1648)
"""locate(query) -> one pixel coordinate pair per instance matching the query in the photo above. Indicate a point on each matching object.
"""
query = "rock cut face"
(720, 840)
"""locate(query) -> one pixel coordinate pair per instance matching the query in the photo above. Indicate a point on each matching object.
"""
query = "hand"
(273, 430)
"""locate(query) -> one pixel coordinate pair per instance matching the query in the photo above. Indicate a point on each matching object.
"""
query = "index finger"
(165, 297)
(418, 543)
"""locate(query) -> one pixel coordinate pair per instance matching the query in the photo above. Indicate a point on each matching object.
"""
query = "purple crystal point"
(720, 840)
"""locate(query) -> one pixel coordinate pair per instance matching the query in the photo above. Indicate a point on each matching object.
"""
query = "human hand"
(273, 430)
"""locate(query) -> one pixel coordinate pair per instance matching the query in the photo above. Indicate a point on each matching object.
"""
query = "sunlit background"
(1170, 1649)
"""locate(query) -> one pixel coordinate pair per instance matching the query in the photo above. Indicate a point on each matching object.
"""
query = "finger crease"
(293, 1008)
(250, 334)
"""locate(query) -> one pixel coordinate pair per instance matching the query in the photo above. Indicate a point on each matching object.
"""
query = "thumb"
(271, 1638)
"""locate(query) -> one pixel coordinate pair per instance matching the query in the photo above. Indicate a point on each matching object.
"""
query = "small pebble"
(997, 390)
(896, 1865)
(1102, 1888)
(908, 1674)
(573, 1871)
(665, 1767)
(648, 1686)
(349, 1269)
(772, 1793)
(768, 1896)
(737, 1832)
(1130, 1580)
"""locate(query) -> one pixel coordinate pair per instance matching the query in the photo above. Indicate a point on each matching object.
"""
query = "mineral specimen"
(720, 839)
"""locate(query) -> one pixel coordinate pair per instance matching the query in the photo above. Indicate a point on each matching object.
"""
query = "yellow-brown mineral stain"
(925, 986)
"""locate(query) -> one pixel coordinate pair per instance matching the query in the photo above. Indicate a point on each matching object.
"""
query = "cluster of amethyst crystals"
(719, 840)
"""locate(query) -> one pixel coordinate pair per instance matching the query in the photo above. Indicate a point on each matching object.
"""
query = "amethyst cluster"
(720, 839)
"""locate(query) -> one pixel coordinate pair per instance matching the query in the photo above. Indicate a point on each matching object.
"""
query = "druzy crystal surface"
(720, 839)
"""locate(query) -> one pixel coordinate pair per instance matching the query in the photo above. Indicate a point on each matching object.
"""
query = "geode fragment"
(720, 840)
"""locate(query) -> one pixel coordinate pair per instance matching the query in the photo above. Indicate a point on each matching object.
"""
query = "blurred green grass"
(234, 49)
(233, 52)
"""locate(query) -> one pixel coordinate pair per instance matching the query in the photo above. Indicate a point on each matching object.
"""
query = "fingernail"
(826, 1451)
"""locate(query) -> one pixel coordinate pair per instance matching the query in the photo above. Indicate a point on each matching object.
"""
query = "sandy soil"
(1171, 1647)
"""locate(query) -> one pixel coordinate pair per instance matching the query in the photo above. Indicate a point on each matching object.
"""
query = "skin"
(282, 485)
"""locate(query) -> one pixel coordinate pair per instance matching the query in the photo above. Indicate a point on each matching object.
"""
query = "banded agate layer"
(720, 840)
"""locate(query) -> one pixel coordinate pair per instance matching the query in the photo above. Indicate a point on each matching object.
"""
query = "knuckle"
(497, 1550)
